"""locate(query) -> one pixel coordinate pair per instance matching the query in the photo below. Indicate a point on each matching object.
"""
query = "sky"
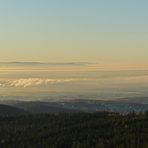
(107, 31)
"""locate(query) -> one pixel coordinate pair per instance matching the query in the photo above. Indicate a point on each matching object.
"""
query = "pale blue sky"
(78, 30)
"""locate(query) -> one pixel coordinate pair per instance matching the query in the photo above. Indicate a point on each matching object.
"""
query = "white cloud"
(34, 82)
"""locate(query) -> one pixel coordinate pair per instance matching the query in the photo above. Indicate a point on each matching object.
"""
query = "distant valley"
(88, 106)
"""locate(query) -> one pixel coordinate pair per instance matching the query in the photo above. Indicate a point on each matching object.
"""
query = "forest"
(75, 130)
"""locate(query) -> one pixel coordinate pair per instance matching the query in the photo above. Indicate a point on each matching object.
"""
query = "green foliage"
(75, 130)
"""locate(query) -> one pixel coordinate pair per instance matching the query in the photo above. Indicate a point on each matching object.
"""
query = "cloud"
(34, 82)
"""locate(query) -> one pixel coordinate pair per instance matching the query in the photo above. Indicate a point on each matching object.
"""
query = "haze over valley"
(33, 81)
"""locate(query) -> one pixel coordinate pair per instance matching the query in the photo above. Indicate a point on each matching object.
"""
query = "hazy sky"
(74, 30)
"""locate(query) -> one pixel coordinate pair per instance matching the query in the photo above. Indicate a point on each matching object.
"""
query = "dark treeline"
(75, 130)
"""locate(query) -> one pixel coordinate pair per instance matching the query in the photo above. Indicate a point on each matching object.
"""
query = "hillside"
(6, 110)
(75, 130)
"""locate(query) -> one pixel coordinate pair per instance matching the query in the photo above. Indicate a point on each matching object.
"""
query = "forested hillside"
(75, 130)
(7, 110)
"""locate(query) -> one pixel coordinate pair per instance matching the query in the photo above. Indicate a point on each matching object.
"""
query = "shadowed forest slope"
(75, 130)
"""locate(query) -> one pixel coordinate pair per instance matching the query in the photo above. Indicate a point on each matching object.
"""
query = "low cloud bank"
(34, 82)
